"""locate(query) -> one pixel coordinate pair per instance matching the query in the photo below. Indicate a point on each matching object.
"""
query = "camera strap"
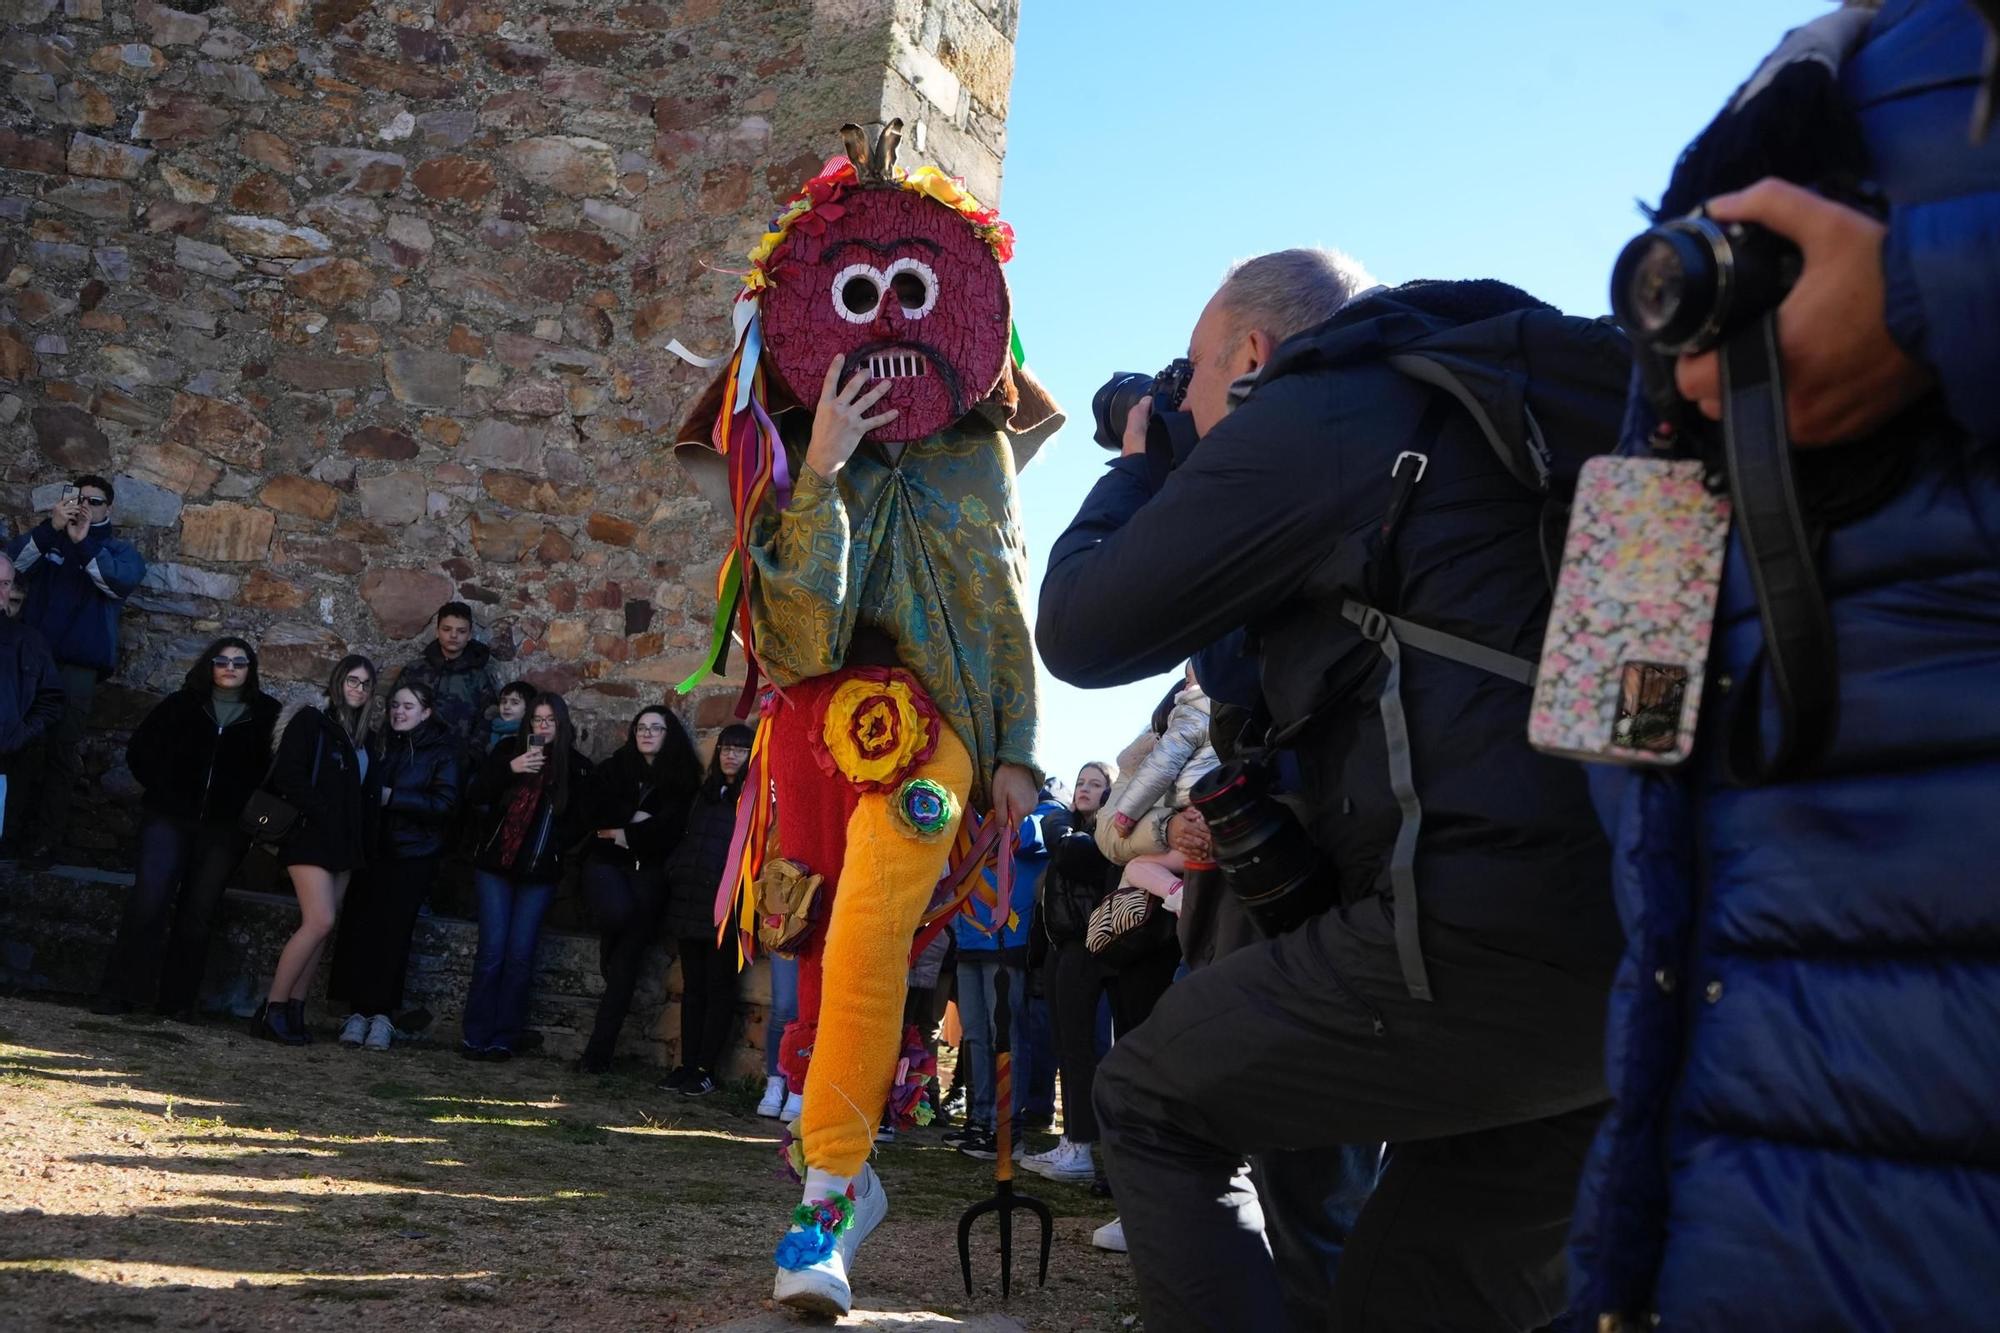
(1799, 649)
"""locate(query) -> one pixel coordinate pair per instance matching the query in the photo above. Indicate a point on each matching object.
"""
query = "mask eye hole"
(915, 286)
(857, 293)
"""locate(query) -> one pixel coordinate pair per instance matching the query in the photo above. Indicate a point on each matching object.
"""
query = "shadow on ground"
(164, 1176)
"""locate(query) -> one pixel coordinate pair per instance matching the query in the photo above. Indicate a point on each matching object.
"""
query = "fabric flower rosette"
(879, 725)
(909, 1096)
(816, 1228)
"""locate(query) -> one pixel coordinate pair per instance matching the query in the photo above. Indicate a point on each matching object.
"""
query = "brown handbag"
(786, 895)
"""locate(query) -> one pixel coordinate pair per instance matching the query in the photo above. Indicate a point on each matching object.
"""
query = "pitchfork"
(1004, 1200)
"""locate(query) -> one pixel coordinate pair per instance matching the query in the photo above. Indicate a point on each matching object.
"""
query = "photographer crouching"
(1361, 484)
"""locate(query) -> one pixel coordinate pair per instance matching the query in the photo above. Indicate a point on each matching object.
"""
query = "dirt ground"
(160, 1175)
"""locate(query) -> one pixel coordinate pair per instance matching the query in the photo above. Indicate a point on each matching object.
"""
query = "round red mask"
(898, 283)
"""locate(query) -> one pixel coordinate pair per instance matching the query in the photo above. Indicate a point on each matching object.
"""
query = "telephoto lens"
(1685, 285)
(1266, 858)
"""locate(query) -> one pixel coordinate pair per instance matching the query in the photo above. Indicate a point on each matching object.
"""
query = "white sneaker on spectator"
(774, 1097)
(795, 1105)
(380, 1033)
(822, 1288)
(1110, 1236)
(1065, 1161)
(355, 1030)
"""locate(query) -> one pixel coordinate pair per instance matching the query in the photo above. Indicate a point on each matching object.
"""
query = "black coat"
(1078, 877)
(31, 693)
(624, 786)
(424, 775)
(334, 819)
(554, 835)
(695, 870)
(191, 766)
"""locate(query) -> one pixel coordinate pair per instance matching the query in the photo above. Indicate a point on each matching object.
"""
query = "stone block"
(503, 444)
(172, 467)
(171, 27)
(395, 497)
(238, 83)
(23, 152)
(84, 103)
(611, 529)
(261, 192)
(17, 360)
(109, 201)
(181, 118)
(358, 170)
(267, 592)
(268, 150)
(186, 186)
(128, 60)
(269, 238)
(143, 504)
(532, 398)
(613, 218)
(383, 442)
(211, 261)
(221, 430)
(302, 496)
(504, 540)
(393, 76)
(425, 379)
(455, 179)
(304, 653)
(323, 372)
(92, 156)
(186, 580)
(226, 533)
(566, 164)
(404, 600)
(69, 438)
(409, 240)
(331, 282)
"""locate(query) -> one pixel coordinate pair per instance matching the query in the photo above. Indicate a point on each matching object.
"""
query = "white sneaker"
(355, 1030)
(774, 1097)
(1110, 1236)
(380, 1033)
(1065, 1161)
(795, 1105)
(822, 1289)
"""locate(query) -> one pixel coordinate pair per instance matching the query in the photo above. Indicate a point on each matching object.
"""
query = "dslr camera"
(1170, 435)
(1686, 285)
(1264, 854)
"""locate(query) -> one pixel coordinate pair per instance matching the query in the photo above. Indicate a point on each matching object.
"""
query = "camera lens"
(1669, 288)
(1114, 402)
(1267, 859)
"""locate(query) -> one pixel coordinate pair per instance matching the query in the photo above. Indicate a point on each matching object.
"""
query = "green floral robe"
(929, 552)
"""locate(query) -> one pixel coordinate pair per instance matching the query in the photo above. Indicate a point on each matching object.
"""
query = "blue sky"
(1150, 146)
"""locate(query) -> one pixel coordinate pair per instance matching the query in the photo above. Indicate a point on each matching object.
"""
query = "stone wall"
(362, 305)
(56, 927)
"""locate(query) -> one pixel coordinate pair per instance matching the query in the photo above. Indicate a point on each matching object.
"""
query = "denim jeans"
(510, 926)
(1035, 1058)
(977, 1009)
(784, 1008)
(183, 868)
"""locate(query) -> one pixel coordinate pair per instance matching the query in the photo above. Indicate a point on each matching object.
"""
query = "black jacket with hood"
(462, 689)
(553, 835)
(31, 693)
(320, 772)
(424, 773)
(1268, 525)
(626, 785)
(191, 766)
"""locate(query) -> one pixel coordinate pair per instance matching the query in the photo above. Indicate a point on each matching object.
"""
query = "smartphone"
(1626, 651)
(71, 494)
(537, 742)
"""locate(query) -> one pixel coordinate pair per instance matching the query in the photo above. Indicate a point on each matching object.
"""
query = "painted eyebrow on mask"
(885, 250)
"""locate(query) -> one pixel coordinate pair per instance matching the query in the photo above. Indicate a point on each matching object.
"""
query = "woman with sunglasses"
(417, 775)
(708, 969)
(320, 771)
(199, 754)
(637, 809)
(531, 789)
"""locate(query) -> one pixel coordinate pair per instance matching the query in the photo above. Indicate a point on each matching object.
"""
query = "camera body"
(1170, 435)
(1265, 855)
(1686, 285)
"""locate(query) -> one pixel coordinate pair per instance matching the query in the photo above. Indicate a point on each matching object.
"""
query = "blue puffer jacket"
(75, 590)
(1804, 1044)
(979, 932)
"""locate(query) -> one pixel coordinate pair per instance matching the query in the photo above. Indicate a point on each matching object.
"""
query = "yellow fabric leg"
(885, 884)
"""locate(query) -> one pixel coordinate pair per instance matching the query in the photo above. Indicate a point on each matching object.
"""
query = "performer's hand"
(841, 419)
(1844, 374)
(1187, 833)
(1014, 793)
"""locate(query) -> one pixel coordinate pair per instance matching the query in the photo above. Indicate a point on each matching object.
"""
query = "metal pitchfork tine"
(1004, 1201)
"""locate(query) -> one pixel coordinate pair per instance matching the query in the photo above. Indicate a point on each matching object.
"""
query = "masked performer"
(877, 581)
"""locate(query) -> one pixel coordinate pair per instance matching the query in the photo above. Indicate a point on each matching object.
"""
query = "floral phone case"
(1628, 634)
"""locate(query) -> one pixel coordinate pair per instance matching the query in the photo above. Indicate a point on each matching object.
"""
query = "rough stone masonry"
(363, 306)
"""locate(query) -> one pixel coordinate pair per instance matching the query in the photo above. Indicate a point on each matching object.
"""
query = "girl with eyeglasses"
(531, 789)
(199, 754)
(320, 770)
(637, 809)
(708, 969)
(416, 774)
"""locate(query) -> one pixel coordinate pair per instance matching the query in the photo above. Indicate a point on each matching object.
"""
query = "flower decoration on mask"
(878, 726)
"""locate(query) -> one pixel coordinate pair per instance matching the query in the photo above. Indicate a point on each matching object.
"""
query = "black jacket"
(1267, 525)
(463, 690)
(1078, 877)
(424, 775)
(694, 872)
(625, 785)
(554, 835)
(31, 693)
(334, 819)
(191, 766)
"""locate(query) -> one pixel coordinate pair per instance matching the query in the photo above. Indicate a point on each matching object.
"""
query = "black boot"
(272, 1024)
(295, 1019)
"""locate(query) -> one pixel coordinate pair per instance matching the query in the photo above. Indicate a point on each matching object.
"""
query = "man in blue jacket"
(76, 572)
(1805, 1031)
(993, 939)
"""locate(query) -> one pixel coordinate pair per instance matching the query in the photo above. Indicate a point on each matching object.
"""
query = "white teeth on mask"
(897, 365)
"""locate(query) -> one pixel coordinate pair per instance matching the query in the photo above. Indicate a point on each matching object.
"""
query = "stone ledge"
(57, 926)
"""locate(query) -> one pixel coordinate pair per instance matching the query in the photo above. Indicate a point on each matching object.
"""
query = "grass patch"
(581, 1131)
(158, 1037)
(394, 1092)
